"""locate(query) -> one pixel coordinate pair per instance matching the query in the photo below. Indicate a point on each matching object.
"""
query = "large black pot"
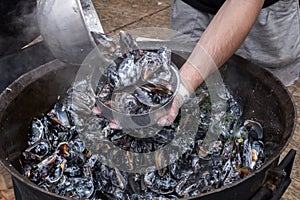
(264, 97)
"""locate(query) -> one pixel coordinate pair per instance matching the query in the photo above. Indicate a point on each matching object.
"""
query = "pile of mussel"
(136, 81)
(58, 161)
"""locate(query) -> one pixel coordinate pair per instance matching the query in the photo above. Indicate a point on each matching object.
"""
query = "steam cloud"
(18, 24)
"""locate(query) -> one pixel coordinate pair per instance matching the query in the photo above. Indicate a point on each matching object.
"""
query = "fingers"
(96, 110)
(112, 124)
(168, 119)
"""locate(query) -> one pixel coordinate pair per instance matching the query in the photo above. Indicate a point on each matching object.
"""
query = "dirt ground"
(129, 14)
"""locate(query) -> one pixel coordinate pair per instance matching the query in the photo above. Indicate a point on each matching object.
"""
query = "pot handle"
(276, 179)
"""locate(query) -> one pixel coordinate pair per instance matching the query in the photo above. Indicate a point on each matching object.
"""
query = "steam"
(19, 25)
(18, 29)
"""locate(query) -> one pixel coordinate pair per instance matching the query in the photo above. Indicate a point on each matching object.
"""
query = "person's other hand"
(112, 124)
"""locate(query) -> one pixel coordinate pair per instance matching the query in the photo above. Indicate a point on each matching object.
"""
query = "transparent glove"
(181, 97)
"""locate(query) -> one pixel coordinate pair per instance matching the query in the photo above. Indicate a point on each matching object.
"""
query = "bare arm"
(221, 39)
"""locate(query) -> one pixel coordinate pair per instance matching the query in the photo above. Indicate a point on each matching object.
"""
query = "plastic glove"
(181, 97)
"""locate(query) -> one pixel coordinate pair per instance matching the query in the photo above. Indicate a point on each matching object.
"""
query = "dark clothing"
(212, 6)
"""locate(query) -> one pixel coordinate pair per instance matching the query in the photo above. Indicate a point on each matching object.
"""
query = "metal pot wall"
(265, 100)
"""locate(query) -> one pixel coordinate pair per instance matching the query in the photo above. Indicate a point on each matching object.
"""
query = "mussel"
(59, 161)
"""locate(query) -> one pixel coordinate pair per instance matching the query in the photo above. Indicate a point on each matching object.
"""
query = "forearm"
(221, 39)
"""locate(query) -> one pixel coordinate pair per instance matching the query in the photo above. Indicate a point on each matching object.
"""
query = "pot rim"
(8, 95)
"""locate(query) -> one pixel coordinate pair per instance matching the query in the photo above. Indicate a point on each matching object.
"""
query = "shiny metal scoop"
(66, 28)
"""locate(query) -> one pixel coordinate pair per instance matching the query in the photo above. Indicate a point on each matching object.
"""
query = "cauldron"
(264, 98)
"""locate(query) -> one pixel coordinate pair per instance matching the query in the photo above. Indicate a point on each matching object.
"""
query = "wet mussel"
(136, 81)
(58, 161)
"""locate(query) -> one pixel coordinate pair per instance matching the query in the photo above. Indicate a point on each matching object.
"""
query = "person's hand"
(181, 97)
